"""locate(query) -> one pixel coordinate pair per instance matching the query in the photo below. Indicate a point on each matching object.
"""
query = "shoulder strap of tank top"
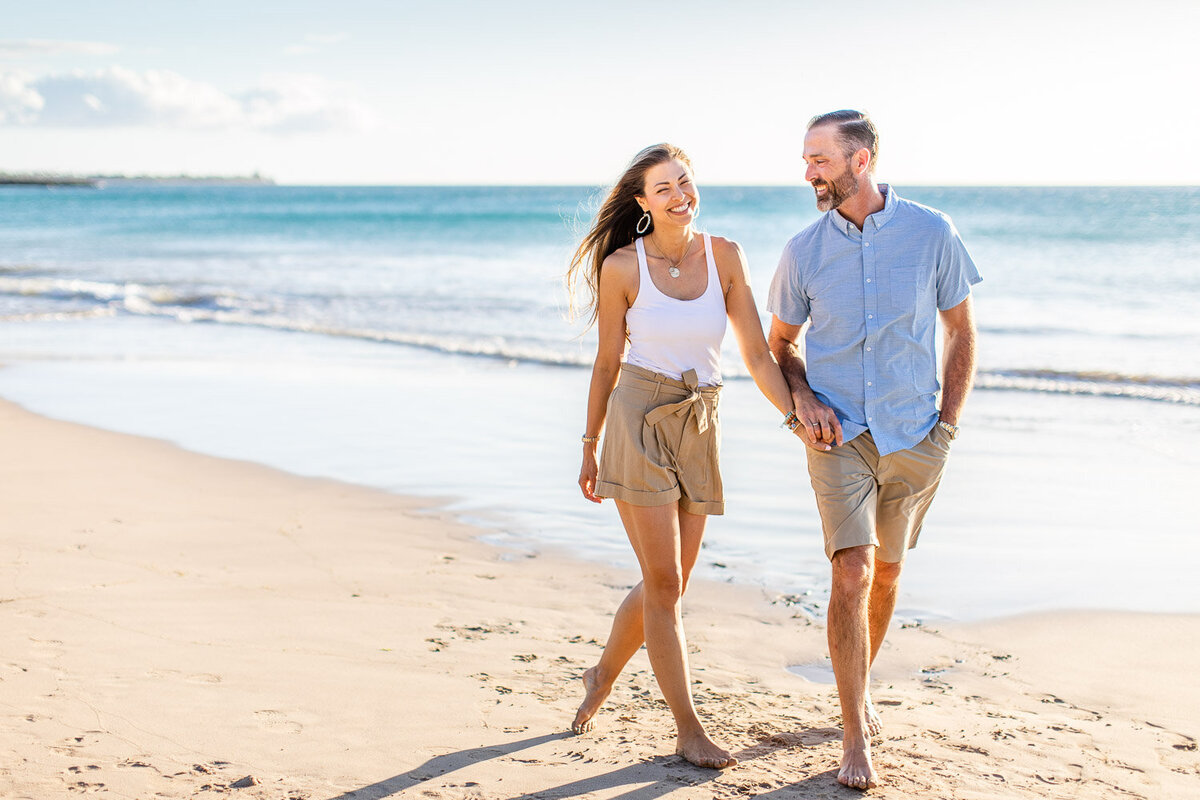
(714, 278)
(644, 279)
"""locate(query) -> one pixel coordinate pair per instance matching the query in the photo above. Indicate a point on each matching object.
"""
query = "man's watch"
(951, 430)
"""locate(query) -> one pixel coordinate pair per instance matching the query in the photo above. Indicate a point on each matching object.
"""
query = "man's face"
(829, 169)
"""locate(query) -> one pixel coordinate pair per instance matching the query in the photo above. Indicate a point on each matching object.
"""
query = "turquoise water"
(415, 339)
(1086, 289)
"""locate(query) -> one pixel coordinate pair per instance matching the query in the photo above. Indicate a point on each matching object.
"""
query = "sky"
(523, 92)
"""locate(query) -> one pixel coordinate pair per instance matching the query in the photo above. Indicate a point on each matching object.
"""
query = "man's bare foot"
(595, 697)
(874, 723)
(704, 752)
(857, 771)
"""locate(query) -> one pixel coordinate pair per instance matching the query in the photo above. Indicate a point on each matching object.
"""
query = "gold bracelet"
(589, 439)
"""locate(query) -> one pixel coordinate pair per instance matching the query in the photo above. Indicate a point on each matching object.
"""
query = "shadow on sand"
(647, 779)
(440, 765)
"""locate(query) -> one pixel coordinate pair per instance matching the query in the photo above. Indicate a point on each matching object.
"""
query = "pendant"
(673, 272)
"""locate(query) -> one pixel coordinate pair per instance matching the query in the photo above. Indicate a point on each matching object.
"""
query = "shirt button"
(870, 316)
(870, 384)
(868, 280)
(866, 244)
(868, 349)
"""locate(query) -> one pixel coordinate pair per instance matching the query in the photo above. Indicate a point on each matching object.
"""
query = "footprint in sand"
(74, 744)
(47, 647)
(14, 668)
(85, 787)
(190, 677)
(278, 721)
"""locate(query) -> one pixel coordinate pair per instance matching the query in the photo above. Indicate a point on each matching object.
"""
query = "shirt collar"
(878, 219)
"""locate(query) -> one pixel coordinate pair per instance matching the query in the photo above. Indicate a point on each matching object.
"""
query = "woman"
(667, 290)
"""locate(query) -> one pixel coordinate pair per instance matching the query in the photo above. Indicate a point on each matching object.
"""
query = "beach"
(293, 381)
(290, 510)
(179, 625)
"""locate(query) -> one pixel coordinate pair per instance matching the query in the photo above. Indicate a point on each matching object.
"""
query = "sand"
(182, 626)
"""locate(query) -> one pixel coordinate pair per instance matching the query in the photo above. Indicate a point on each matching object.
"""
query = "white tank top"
(671, 336)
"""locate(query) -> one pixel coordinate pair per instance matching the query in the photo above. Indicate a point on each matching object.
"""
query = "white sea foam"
(229, 308)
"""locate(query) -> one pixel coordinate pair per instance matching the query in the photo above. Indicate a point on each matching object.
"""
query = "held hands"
(819, 427)
(588, 473)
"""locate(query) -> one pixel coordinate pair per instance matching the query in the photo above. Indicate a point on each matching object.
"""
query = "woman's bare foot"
(874, 723)
(595, 697)
(704, 752)
(857, 771)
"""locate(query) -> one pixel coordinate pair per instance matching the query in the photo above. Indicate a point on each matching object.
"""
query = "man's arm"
(958, 359)
(819, 420)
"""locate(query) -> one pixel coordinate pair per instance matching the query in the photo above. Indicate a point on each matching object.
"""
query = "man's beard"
(842, 189)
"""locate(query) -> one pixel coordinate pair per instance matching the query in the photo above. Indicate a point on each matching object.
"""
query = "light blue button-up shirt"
(873, 297)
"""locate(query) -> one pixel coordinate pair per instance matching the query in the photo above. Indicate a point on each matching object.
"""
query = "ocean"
(416, 339)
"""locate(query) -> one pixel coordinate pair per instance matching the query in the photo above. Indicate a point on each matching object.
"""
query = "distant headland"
(100, 181)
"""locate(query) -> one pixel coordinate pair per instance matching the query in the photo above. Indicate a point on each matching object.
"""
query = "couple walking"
(870, 278)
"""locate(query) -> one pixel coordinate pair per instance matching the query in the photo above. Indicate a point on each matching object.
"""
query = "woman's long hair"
(615, 226)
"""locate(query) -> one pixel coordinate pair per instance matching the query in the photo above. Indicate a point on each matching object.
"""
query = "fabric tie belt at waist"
(698, 405)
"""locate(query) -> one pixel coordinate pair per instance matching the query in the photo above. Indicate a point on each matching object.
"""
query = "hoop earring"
(644, 223)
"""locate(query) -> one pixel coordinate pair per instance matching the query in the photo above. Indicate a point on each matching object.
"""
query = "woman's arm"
(617, 289)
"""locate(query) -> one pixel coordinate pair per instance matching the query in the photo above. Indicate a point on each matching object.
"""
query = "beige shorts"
(867, 499)
(662, 442)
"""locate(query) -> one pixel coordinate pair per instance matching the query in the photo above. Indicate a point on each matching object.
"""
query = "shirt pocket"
(902, 287)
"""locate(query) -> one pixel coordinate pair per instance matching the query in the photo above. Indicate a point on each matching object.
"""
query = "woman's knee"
(663, 587)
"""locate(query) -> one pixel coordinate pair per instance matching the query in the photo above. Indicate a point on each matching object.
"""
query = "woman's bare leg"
(655, 535)
(627, 635)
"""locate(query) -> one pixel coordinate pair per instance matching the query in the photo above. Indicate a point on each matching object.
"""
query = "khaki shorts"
(867, 499)
(662, 442)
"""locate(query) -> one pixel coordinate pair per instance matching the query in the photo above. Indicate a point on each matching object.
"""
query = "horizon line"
(262, 181)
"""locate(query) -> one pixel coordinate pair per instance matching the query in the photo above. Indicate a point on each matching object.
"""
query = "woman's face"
(669, 194)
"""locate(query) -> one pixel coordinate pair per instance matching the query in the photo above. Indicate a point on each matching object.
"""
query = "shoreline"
(178, 622)
(1037, 490)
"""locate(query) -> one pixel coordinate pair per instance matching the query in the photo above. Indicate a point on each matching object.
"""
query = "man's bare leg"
(850, 652)
(884, 589)
(627, 635)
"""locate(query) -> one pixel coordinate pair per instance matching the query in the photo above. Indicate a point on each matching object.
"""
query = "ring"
(815, 424)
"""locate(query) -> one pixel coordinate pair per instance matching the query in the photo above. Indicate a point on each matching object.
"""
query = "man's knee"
(853, 567)
(887, 573)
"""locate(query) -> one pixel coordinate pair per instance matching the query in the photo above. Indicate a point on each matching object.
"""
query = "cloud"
(19, 104)
(116, 96)
(315, 43)
(27, 48)
(302, 103)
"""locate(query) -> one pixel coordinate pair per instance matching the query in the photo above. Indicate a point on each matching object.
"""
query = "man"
(871, 277)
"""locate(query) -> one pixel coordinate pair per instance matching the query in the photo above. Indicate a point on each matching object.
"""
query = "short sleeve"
(956, 271)
(787, 299)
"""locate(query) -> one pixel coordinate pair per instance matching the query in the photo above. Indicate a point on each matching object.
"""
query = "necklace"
(673, 268)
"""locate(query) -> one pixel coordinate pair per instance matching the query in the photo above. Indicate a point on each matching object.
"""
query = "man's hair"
(855, 131)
